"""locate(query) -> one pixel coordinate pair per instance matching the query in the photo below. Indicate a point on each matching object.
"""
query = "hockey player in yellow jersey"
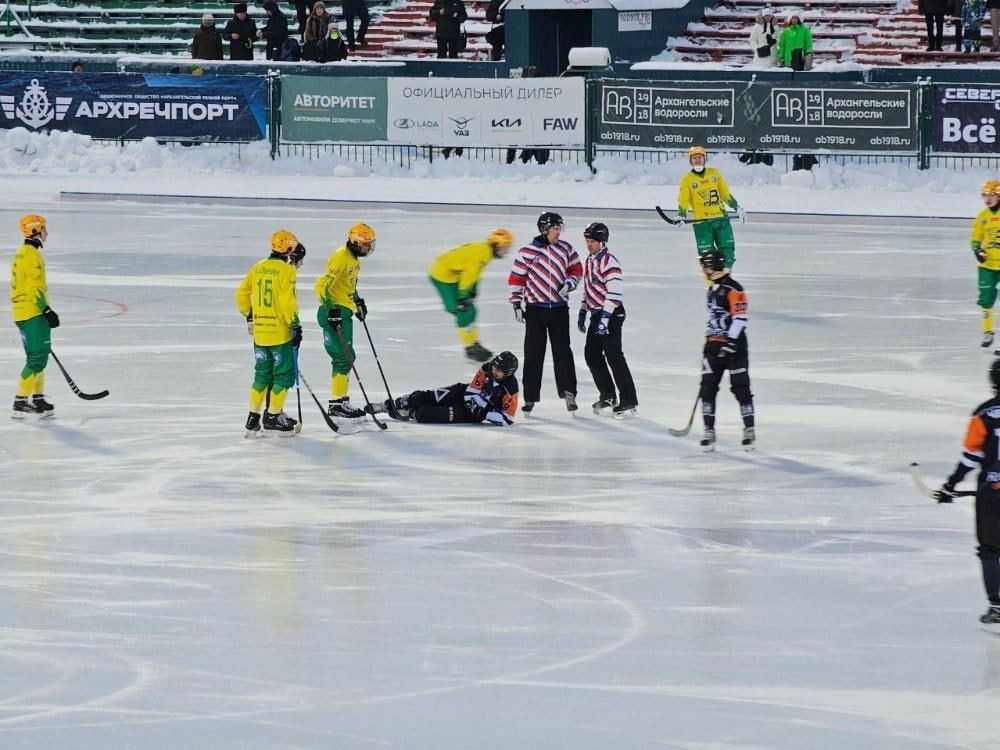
(703, 197)
(32, 316)
(985, 239)
(266, 297)
(455, 274)
(339, 304)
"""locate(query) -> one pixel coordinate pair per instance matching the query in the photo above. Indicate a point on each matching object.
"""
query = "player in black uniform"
(980, 451)
(725, 348)
(491, 397)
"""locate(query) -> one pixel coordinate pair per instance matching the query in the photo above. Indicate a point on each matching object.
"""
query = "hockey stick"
(671, 220)
(347, 353)
(326, 418)
(391, 402)
(73, 387)
(927, 491)
(298, 393)
(687, 429)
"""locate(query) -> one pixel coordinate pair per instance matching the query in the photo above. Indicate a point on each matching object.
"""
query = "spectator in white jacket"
(764, 41)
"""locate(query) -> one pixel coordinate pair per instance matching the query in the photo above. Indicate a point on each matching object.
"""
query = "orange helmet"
(283, 242)
(990, 187)
(32, 225)
(361, 240)
(501, 239)
(697, 151)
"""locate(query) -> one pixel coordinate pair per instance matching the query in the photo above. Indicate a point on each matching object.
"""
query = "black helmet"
(506, 362)
(548, 220)
(597, 231)
(712, 260)
(995, 375)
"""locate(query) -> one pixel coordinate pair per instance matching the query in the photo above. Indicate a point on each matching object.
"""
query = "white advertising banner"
(486, 112)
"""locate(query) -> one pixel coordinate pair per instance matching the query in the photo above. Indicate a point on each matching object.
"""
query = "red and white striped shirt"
(602, 283)
(540, 270)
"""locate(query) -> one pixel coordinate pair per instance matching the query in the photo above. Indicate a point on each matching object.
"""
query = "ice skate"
(478, 353)
(280, 424)
(990, 621)
(342, 408)
(708, 441)
(604, 407)
(253, 425)
(987, 340)
(570, 401)
(527, 406)
(22, 408)
(748, 438)
(42, 407)
(389, 407)
(625, 410)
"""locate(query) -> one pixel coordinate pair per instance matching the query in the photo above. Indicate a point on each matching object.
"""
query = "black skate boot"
(42, 407)
(749, 437)
(527, 406)
(279, 424)
(604, 406)
(22, 408)
(624, 410)
(392, 408)
(987, 340)
(478, 353)
(708, 442)
(991, 620)
(342, 408)
(570, 401)
(253, 425)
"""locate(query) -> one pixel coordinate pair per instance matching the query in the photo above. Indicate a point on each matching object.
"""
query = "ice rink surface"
(571, 582)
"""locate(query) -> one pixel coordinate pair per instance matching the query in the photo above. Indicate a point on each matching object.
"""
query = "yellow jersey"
(28, 290)
(268, 291)
(986, 235)
(339, 285)
(463, 265)
(705, 194)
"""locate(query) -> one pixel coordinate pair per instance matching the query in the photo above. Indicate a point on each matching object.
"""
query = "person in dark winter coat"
(497, 35)
(955, 11)
(207, 43)
(316, 33)
(993, 6)
(934, 12)
(275, 32)
(240, 31)
(355, 9)
(448, 15)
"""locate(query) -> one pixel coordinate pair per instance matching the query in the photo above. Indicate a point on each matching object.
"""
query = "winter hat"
(767, 12)
(271, 6)
(240, 8)
(208, 19)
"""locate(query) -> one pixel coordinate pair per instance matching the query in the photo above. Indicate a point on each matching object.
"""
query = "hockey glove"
(566, 288)
(581, 321)
(362, 309)
(726, 352)
(602, 326)
(946, 494)
(334, 318)
(980, 254)
(51, 317)
(250, 324)
(463, 305)
(518, 312)
(297, 337)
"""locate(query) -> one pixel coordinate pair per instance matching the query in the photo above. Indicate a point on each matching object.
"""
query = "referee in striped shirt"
(545, 271)
(602, 299)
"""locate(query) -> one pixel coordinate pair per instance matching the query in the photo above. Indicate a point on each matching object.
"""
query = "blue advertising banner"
(966, 117)
(136, 106)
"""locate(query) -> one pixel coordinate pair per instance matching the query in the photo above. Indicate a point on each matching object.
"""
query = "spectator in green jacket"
(795, 47)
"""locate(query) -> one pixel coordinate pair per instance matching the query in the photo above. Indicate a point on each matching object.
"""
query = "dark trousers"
(602, 351)
(958, 34)
(552, 324)
(988, 536)
(712, 370)
(448, 47)
(934, 21)
(359, 11)
(302, 10)
(441, 406)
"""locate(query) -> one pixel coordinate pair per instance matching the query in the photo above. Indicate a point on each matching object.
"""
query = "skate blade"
(19, 415)
(603, 412)
(749, 448)
(993, 628)
(277, 433)
(252, 434)
(626, 414)
(708, 448)
(47, 415)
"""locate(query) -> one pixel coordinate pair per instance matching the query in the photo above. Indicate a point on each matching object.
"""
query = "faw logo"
(559, 123)
(35, 110)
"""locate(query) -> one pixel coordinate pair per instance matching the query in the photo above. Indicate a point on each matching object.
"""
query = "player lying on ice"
(491, 397)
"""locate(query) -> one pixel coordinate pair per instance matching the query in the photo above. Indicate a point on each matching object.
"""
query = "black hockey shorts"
(713, 368)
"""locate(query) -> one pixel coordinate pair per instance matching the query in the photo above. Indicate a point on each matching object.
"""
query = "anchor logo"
(35, 109)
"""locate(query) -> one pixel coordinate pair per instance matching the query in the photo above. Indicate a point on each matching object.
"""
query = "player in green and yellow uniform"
(266, 297)
(455, 274)
(704, 195)
(33, 317)
(339, 304)
(985, 241)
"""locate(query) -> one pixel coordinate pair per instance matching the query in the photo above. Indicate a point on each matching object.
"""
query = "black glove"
(250, 324)
(463, 304)
(297, 336)
(770, 40)
(362, 309)
(581, 321)
(51, 317)
(334, 318)
(518, 312)
(980, 254)
(727, 351)
(946, 494)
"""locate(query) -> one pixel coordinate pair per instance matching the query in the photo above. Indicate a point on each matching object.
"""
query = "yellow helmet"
(697, 151)
(361, 240)
(283, 242)
(501, 239)
(32, 224)
(990, 187)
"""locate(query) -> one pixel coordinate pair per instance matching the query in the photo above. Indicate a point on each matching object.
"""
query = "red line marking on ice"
(122, 308)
